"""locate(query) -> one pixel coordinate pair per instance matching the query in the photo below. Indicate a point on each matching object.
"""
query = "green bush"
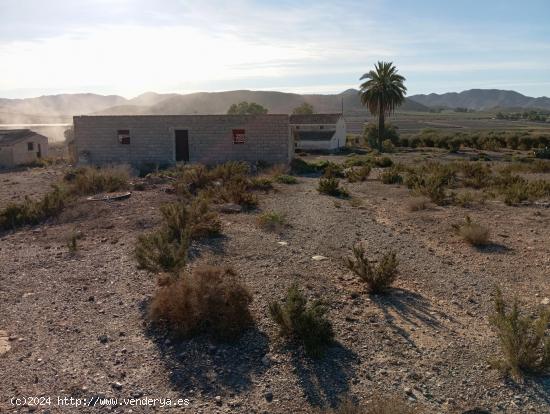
(378, 277)
(271, 220)
(286, 179)
(331, 186)
(303, 322)
(524, 341)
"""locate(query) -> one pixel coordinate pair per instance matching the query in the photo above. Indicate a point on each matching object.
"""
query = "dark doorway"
(39, 154)
(182, 145)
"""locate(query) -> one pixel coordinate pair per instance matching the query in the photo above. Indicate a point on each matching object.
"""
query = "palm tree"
(382, 93)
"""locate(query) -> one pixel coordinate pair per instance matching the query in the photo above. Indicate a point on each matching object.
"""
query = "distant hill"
(482, 99)
(65, 106)
(59, 106)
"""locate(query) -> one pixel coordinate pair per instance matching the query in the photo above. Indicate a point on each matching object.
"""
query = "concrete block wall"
(152, 138)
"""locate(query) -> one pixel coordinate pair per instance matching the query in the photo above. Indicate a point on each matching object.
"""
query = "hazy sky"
(127, 47)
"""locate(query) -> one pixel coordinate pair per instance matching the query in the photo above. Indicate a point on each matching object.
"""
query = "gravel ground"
(75, 328)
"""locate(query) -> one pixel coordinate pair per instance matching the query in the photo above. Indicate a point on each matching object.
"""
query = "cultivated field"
(74, 304)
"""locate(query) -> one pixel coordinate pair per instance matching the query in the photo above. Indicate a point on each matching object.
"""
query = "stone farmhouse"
(21, 146)
(318, 131)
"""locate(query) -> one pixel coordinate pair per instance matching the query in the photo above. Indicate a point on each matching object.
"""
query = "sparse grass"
(379, 405)
(210, 299)
(465, 199)
(524, 341)
(331, 186)
(474, 233)
(418, 203)
(303, 322)
(286, 179)
(271, 220)
(91, 180)
(378, 277)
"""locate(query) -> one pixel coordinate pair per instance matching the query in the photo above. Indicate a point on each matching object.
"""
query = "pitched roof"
(12, 136)
(315, 119)
(315, 135)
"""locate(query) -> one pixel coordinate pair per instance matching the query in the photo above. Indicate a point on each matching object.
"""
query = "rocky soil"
(72, 324)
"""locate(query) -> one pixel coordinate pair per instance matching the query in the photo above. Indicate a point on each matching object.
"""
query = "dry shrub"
(165, 249)
(358, 174)
(157, 252)
(378, 277)
(418, 203)
(303, 322)
(331, 186)
(210, 299)
(204, 221)
(474, 233)
(271, 220)
(92, 180)
(524, 341)
(261, 183)
(379, 405)
(229, 170)
(391, 176)
(237, 190)
(192, 178)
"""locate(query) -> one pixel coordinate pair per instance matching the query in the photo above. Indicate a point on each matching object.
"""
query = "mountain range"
(60, 108)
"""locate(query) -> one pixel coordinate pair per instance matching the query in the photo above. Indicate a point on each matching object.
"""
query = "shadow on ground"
(409, 307)
(493, 248)
(325, 380)
(210, 367)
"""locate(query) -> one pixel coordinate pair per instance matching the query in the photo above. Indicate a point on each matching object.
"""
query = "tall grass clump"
(209, 300)
(33, 212)
(303, 322)
(378, 277)
(92, 180)
(524, 341)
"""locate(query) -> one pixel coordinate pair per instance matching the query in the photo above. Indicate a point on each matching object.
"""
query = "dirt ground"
(74, 325)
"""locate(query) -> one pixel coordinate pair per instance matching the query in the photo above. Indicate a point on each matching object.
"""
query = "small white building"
(21, 146)
(318, 131)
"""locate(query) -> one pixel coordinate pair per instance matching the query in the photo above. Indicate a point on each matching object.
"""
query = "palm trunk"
(380, 126)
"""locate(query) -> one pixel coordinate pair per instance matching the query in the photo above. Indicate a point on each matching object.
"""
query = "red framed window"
(239, 136)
